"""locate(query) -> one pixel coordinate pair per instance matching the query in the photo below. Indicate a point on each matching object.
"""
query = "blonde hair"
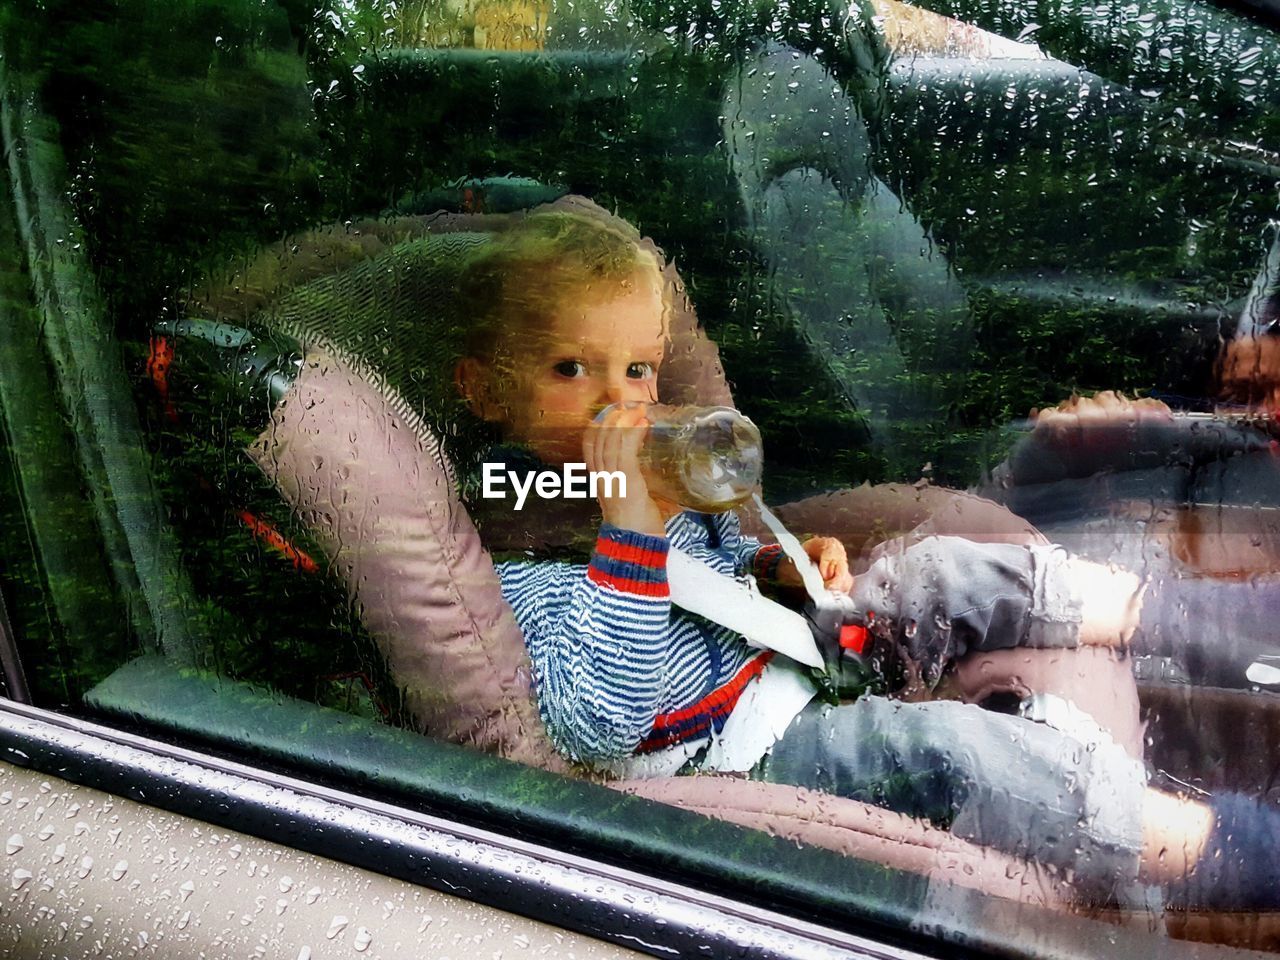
(519, 279)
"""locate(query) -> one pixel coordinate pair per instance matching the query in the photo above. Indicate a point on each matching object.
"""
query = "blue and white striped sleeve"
(598, 638)
(751, 556)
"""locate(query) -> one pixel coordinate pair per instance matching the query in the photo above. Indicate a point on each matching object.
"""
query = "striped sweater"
(617, 669)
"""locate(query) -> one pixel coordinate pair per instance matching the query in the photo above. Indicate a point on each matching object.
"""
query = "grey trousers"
(1002, 781)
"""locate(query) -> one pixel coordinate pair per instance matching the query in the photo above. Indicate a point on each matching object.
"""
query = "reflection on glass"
(913, 31)
(884, 237)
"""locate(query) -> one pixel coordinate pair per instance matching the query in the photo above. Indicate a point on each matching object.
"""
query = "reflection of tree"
(199, 126)
(1172, 51)
(187, 129)
(910, 30)
(423, 22)
(408, 23)
(483, 24)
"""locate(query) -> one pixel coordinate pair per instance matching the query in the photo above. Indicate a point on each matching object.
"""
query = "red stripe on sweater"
(641, 588)
(766, 555)
(719, 702)
(629, 553)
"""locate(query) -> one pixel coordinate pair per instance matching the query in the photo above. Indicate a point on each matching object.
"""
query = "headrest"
(392, 317)
(381, 295)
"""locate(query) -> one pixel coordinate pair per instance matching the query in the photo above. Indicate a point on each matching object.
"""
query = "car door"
(206, 752)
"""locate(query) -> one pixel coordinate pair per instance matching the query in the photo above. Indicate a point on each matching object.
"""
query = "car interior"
(1005, 227)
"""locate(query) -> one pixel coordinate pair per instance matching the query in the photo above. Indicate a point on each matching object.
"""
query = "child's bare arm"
(768, 563)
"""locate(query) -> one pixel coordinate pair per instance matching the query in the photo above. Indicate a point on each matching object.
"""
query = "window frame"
(620, 906)
(568, 890)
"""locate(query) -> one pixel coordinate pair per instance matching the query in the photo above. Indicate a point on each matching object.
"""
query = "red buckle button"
(854, 637)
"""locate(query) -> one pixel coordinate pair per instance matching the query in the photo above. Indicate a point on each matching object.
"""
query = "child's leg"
(1215, 854)
(1096, 680)
(1001, 781)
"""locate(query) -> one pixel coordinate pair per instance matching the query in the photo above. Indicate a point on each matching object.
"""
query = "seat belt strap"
(739, 606)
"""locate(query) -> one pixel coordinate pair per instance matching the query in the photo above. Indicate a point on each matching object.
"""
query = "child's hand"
(613, 444)
(828, 555)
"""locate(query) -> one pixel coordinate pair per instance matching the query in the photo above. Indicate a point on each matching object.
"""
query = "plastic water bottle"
(704, 458)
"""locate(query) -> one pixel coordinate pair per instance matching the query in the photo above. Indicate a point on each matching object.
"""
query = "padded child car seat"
(353, 451)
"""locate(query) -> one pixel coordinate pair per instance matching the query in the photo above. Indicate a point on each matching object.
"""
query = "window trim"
(613, 904)
(13, 680)
(108, 443)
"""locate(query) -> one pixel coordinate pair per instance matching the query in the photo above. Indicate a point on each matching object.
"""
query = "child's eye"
(640, 370)
(571, 368)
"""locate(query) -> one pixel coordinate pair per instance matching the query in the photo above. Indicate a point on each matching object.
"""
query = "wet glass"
(999, 272)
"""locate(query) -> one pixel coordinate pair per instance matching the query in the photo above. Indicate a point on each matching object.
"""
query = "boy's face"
(546, 384)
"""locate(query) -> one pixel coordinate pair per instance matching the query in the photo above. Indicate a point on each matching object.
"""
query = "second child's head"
(567, 314)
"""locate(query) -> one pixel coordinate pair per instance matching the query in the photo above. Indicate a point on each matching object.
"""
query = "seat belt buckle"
(839, 629)
(854, 638)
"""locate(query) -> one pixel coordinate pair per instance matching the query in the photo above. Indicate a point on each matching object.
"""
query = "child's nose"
(615, 389)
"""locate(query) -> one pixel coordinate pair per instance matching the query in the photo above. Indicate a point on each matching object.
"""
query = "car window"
(989, 295)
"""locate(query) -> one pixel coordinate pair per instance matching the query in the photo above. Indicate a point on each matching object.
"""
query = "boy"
(568, 318)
